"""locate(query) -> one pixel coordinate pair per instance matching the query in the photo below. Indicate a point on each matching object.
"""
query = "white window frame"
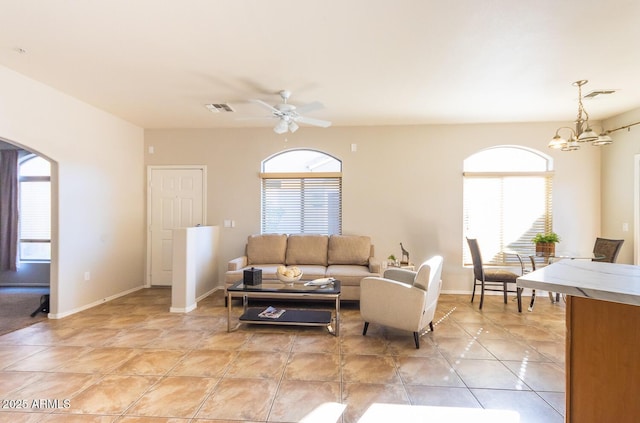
(313, 199)
(496, 248)
(21, 180)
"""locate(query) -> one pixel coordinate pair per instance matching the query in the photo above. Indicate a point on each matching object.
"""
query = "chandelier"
(582, 132)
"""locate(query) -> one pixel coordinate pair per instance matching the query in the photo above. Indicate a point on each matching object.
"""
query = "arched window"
(301, 193)
(34, 177)
(507, 201)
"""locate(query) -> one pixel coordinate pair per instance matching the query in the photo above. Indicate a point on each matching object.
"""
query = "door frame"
(150, 169)
(636, 209)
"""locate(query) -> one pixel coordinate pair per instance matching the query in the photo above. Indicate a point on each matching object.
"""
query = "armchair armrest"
(401, 275)
(237, 263)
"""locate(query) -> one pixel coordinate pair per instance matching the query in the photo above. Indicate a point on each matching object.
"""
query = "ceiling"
(370, 62)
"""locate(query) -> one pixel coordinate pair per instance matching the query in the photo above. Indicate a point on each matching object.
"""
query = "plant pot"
(546, 249)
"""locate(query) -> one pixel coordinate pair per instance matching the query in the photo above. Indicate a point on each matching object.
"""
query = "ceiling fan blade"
(316, 105)
(256, 118)
(265, 105)
(314, 122)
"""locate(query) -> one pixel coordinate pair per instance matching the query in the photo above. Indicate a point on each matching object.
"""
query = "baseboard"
(93, 304)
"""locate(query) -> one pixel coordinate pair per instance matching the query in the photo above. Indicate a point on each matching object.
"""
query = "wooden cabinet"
(602, 361)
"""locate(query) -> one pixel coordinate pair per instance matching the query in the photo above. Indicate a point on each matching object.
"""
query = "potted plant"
(546, 244)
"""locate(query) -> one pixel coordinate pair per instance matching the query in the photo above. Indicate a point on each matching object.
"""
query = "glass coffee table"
(294, 316)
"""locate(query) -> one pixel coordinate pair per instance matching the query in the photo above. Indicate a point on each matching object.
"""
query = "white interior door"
(176, 200)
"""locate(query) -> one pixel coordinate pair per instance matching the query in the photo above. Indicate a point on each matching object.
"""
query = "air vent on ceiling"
(219, 107)
(594, 94)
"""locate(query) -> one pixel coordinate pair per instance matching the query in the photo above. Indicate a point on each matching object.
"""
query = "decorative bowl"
(287, 279)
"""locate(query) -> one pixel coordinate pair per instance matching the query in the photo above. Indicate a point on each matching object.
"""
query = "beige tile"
(539, 376)
(529, 405)
(296, 399)
(49, 359)
(529, 333)
(555, 399)
(135, 337)
(257, 364)
(178, 339)
(313, 366)
(150, 362)
(462, 348)
(240, 399)
(511, 349)
(369, 369)
(11, 382)
(204, 363)
(274, 342)
(359, 396)
(9, 354)
(553, 350)
(224, 341)
(431, 371)
(97, 360)
(174, 397)
(66, 418)
(143, 419)
(112, 395)
(91, 337)
(58, 385)
(358, 344)
(317, 344)
(440, 396)
(488, 374)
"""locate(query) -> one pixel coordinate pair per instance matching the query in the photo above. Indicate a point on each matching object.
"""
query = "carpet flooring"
(16, 306)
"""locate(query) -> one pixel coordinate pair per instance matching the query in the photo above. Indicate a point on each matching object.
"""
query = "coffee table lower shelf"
(292, 317)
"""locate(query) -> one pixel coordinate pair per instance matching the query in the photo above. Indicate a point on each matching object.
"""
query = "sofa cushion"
(267, 248)
(349, 249)
(349, 274)
(307, 249)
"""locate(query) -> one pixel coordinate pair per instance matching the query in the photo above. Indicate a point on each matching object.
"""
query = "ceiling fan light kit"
(289, 116)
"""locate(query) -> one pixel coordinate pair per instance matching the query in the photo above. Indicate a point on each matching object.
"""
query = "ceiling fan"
(289, 116)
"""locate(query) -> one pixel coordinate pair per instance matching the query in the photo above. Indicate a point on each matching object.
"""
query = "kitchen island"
(602, 339)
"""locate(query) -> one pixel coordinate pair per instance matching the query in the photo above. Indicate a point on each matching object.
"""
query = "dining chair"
(491, 279)
(607, 247)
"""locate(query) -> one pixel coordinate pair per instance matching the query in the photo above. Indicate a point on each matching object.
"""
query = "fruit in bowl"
(288, 274)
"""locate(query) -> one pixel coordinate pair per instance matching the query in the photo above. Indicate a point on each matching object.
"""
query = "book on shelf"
(272, 312)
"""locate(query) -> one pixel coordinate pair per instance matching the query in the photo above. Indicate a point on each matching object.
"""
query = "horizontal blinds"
(302, 205)
(35, 210)
(504, 213)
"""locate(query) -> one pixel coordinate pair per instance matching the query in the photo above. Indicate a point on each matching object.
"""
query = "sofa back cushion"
(266, 249)
(307, 249)
(349, 249)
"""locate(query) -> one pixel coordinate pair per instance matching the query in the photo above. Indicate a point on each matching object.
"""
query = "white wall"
(403, 184)
(618, 182)
(98, 181)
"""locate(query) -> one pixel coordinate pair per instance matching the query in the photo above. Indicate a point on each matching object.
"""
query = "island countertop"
(618, 283)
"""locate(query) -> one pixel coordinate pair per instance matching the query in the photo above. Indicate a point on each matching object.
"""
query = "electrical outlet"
(87, 276)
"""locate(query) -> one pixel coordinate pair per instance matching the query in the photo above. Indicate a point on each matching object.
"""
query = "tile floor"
(130, 360)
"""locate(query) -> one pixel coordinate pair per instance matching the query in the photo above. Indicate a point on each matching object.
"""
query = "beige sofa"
(348, 258)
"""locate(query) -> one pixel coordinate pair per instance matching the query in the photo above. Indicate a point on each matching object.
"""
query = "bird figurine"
(405, 255)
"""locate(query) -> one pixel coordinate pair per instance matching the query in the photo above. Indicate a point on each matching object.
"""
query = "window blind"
(302, 205)
(504, 212)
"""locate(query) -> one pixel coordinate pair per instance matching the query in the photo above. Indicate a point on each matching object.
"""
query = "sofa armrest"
(375, 266)
(237, 263)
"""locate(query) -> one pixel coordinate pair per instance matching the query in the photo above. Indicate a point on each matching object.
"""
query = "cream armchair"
(403, 299)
